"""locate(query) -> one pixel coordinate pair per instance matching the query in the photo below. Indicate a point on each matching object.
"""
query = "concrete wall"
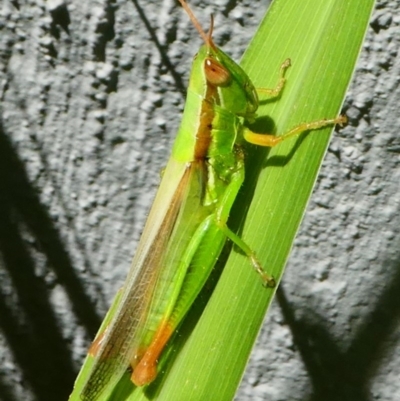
(91, 96)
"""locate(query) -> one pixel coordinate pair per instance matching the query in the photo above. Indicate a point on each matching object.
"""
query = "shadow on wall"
(27, 318)
(344, 375)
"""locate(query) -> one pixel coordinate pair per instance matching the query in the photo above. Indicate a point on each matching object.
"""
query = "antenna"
(206, 37)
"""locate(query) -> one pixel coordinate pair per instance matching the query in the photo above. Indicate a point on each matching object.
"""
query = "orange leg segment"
(272, 140)
(146, 370)
(96, 344)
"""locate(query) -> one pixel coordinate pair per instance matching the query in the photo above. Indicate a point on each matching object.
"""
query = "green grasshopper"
(187, 225)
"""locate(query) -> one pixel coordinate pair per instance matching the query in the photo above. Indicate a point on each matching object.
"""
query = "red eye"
(216, 73)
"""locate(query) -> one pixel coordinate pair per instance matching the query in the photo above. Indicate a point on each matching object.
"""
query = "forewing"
(119, 344)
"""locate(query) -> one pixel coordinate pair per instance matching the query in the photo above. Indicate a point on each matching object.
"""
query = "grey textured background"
(91, 96)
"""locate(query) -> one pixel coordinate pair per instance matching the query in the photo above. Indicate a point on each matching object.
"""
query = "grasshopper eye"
(216, 73)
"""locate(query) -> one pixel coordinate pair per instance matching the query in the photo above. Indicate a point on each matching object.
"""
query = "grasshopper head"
(235, 91)
(217, 78)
